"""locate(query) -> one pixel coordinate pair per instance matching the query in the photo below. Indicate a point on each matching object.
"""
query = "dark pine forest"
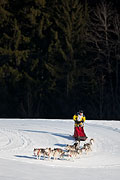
(59, 56)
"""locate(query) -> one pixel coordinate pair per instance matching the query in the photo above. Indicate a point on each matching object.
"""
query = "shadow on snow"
(66, 136)
(27, 157)
(69, 137)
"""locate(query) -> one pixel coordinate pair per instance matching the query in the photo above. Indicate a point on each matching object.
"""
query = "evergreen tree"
(70, 19)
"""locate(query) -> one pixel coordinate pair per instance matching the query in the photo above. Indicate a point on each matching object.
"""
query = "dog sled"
(79, 134)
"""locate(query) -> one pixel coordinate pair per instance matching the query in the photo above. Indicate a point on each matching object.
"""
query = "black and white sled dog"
(88, 146)
(73, 147)
(39, 152)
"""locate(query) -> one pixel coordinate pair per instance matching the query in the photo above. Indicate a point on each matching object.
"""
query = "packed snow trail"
(18, 138)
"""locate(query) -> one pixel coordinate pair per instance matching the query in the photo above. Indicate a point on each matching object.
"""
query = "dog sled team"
(70, 151)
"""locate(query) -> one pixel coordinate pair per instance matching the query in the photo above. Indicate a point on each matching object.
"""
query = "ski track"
(18, 140)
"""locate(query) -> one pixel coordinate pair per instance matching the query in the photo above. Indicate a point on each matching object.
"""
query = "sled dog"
(77, 144)
(88, 146)
(73, 147)
(74, 154)
(58, 153)
(55, 153)
(40, 152)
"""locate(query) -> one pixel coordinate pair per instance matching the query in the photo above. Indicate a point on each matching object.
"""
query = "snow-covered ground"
(18, 137)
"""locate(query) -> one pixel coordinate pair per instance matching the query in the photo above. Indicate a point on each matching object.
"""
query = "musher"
(79, 133)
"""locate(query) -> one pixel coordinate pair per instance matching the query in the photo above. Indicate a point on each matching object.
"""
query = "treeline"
(59, 56)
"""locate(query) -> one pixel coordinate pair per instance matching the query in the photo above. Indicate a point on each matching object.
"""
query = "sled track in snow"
(12, 140)
(104, 127)
(17, 143)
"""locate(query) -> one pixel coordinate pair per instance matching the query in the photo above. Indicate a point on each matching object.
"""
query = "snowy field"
(18, 138)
